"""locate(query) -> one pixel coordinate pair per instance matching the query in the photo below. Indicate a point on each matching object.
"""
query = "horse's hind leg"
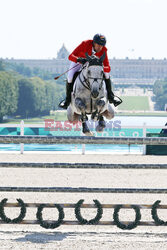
(85, 129)
(71, 115)
(101, 124)
(82, 107)
(96, 115)
(109, 113)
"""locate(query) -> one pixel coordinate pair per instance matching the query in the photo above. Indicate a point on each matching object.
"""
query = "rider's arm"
(106, 64)
(77, 52)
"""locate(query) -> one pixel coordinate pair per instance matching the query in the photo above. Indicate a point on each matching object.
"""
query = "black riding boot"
(65, 103)
(110, 94)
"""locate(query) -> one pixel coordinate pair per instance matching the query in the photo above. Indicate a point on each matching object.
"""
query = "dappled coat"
(86, 46)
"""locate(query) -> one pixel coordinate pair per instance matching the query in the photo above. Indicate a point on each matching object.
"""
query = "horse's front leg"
(101, 124)
(82, 108)
(99, 107)
(100, 104)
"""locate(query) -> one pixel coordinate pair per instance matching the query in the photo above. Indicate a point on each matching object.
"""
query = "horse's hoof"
(95, 119)
(81, 119)
(99, 129)
(102, 123)
(95, 116)
(89, 133)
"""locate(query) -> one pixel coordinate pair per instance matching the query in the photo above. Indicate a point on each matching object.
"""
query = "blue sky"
(38, 28)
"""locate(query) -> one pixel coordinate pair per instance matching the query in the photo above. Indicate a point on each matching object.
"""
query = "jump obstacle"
(126, 225)
(6, 139)
(81, 165)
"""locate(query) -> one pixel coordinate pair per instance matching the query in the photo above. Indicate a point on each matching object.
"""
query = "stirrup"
(63, 104)
(115, 100)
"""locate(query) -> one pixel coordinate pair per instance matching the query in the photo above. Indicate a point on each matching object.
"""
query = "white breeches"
(72, 71)
(107, 75)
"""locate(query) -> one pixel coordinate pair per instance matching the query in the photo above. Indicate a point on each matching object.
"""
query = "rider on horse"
(92, 47)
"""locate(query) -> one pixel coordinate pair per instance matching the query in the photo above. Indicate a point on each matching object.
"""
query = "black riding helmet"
(99, 39)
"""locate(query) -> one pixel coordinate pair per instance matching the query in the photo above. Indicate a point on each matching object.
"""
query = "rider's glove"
(81, 60)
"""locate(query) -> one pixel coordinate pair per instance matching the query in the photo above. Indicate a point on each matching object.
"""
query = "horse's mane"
(94, 60)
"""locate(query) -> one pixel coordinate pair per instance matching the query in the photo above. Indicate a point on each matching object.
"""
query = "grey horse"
(89, 96)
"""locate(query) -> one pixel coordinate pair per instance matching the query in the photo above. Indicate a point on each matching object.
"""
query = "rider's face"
(97, 47)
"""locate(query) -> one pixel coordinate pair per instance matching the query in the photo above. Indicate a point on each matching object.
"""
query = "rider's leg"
(69, 88)
(69, 85)
(108, 83)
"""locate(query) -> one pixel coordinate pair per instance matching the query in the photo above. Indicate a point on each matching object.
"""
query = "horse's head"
(95, 74)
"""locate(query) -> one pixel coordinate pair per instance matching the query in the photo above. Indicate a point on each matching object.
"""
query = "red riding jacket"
(86, 46)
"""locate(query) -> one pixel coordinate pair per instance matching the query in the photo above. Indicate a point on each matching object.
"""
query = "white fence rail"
(144, 127)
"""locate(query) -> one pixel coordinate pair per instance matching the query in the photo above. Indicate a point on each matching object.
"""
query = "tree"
(36, 97)
(8, 94)
(26, 103)
(2, 68)
(160, 91)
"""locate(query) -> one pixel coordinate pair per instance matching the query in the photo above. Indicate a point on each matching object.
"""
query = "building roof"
(62, 53)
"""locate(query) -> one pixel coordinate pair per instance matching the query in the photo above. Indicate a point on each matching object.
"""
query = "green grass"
(141, 114)
(130, 103)
(56, 116)
(134, 103)
(61, 116)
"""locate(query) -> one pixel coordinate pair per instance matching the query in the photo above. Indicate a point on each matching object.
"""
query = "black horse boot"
(110, 93)
(65, 103)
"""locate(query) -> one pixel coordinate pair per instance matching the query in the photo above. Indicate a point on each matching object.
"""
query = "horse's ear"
(87, 57)
(102, 57)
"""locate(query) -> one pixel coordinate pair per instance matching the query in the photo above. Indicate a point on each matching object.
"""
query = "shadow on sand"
(43, 238)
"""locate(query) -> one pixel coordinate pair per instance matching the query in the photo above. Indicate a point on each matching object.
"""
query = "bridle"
(86, 82)
(95, 80)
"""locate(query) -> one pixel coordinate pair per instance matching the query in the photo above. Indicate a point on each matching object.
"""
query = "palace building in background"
(123, 71)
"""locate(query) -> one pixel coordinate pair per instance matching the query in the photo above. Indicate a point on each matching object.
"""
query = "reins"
(86, 82)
